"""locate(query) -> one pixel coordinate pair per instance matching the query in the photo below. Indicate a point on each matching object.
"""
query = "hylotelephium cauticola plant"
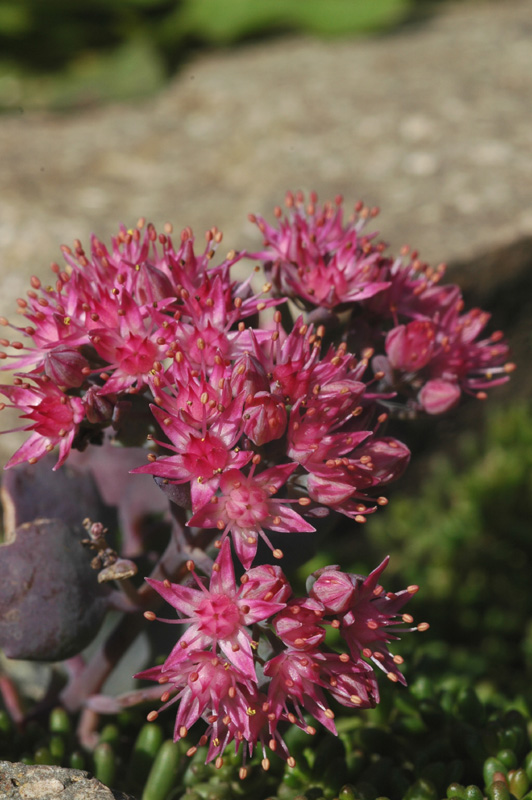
(261, 413)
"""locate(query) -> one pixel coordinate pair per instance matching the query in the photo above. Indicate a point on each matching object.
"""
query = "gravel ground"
(433, 123)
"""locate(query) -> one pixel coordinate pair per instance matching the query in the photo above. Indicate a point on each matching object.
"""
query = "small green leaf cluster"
(428, 742)
(63, 54)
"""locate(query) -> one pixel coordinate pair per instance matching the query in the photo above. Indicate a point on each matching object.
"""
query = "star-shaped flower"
(217, 617)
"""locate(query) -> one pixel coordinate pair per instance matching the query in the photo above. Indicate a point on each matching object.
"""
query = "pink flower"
(217, 617)
(351, 682)
(433, 361)
(210, 671)
(314, 257)
(200, 456)
(295, 686)
(414, 292)
(370, 621)
(333, 589)
(192, 396)
(203, 684)
(246, 505)
(461, 358)
(264, 418)
(132, 347)
(207, 319)
(438, 396)
(54, 419)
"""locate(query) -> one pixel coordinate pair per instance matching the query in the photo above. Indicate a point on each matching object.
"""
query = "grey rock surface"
(22, 782)
(433, 123)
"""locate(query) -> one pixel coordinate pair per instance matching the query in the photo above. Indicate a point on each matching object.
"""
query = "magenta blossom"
(438, 359)
(212, 673)
(217, 617)
(370, 620)
(298, 680)
(209, 687)
(200, 456)
(315, 258)
(245, 505)
(53, 416)
(266, 582)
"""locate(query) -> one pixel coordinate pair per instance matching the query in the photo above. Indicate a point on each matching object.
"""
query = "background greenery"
(63, 54)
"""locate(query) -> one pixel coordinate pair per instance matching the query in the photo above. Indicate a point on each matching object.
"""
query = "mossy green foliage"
(232, 20)
(61, 54)
(434, 740)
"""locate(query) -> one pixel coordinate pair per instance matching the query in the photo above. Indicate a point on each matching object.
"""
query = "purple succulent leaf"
(32, 491)
(51, 604)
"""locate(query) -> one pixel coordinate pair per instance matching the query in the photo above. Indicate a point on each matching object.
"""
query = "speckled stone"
(22, 782)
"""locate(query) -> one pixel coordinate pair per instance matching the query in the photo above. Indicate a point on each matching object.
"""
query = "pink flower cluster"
(253, 656)
(254, 422)
(258, 420)
(106, 327)
(432, 351)
(275, 426)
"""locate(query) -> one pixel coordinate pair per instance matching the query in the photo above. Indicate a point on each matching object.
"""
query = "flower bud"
(334, 590)
(98, 408)
(438, 396)
(389, 458)
(264, 418)
(153, 285)
(299, 624)
(64, 365)
(409, 347)
(266, 582)
(248, 376)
